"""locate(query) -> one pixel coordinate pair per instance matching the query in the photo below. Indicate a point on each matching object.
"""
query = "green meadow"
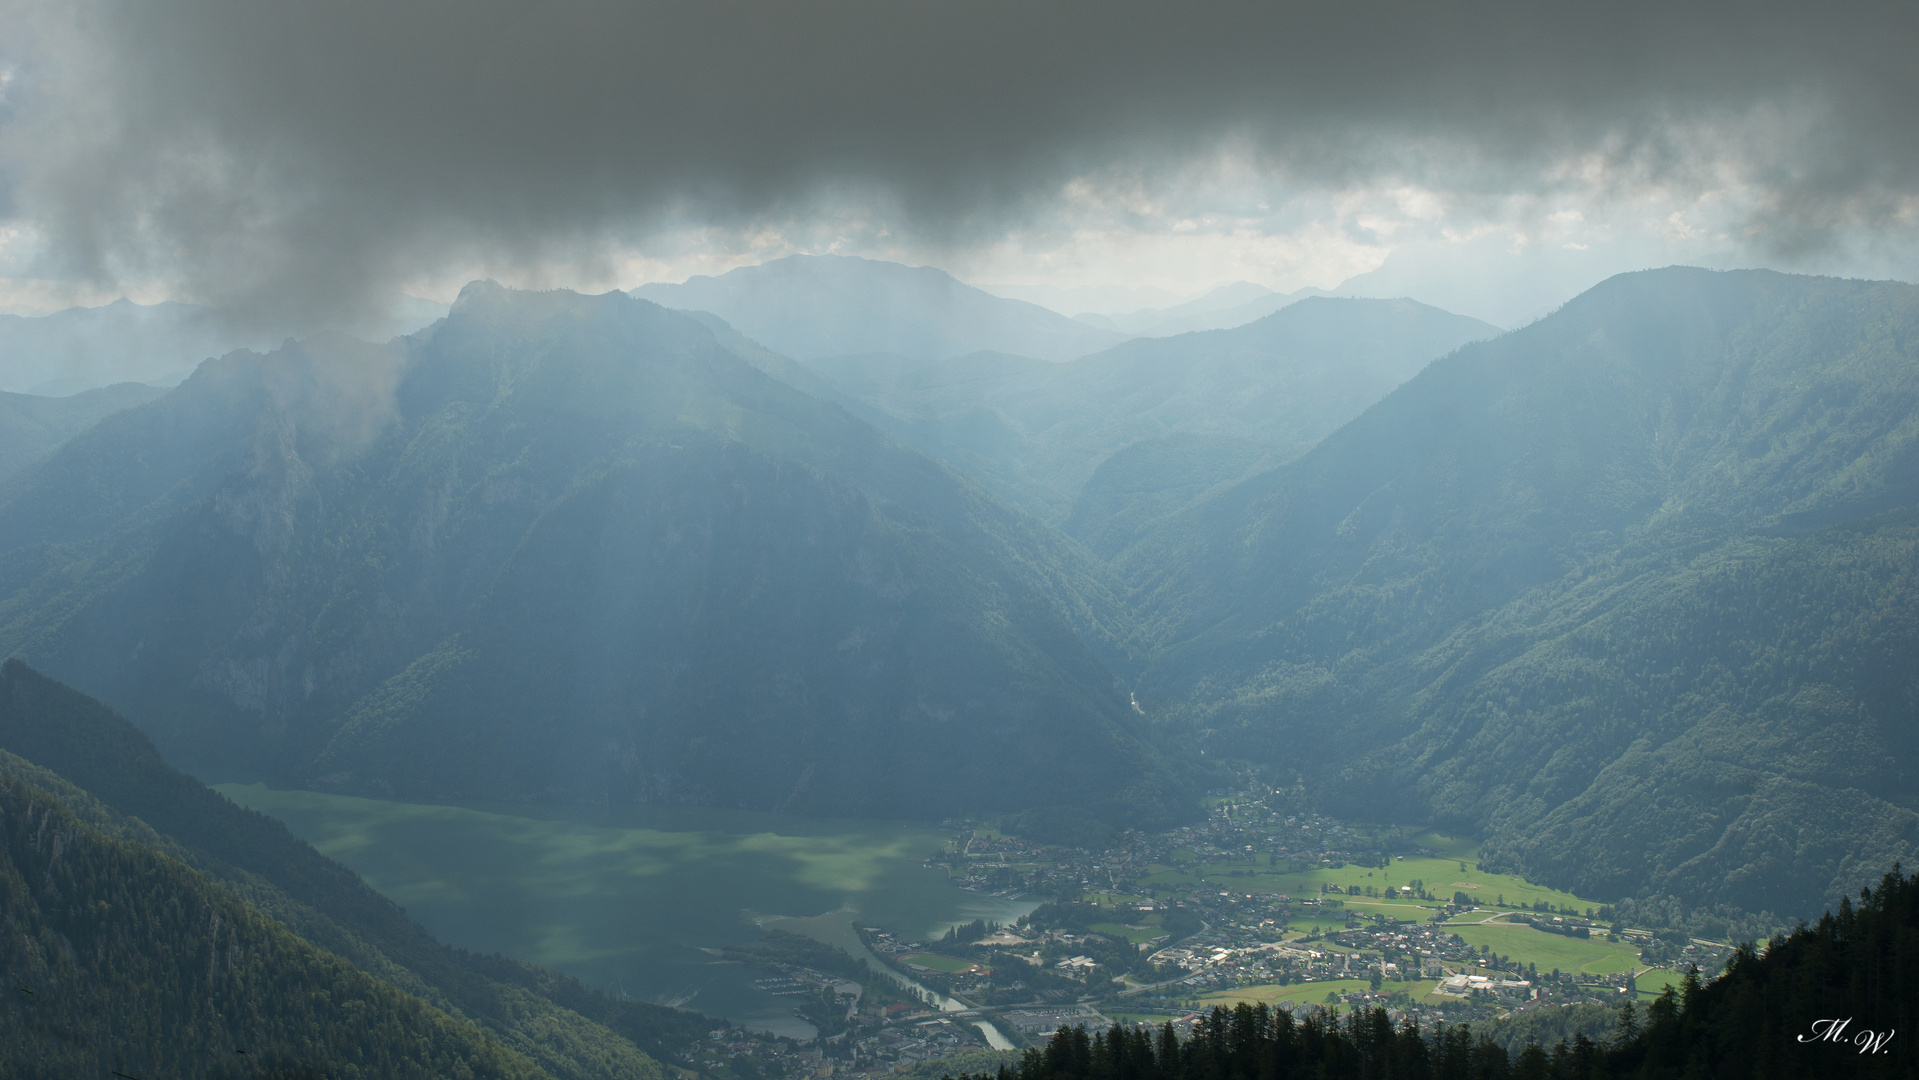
(1596, 956)
(629, 902)
(1653, 982)
(1456, 871)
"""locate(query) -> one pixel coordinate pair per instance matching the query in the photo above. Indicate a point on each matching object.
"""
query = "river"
(837, 928)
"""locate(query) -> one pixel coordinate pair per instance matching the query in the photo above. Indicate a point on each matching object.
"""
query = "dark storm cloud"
(319, 151)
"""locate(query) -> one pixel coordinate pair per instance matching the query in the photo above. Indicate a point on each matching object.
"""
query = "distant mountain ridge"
(119, 342)
(813, 306)
(32, 427)
(159, 344)
(1039, 433)
(1223, 308)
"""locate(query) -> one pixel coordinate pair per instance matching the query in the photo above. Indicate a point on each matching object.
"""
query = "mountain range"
(1629, 592)
(82, 348)
(1217, 309)
(1049, 437)
(85, 348)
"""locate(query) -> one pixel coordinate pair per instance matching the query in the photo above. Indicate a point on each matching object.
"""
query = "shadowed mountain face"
(562, 547)
(123, 958)
(1041, 434)
(813, 306)
(1634, 589)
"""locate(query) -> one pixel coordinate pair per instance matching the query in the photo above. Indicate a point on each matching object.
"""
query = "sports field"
(1131, 933)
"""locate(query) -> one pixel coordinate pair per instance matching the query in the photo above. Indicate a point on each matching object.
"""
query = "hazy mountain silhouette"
(813, 306)
(1218, 309)
(80, 348)
(160, 344)
(31, 427)
(1038, 432)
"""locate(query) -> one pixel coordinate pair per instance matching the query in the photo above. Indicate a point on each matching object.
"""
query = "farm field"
(1442, 877)
(1653, 982)
(627, 903)
(1548, 951)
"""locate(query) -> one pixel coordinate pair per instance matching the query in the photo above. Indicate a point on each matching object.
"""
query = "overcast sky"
(302, 163)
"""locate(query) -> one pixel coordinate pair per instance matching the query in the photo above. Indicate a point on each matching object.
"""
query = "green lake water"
(627, 901)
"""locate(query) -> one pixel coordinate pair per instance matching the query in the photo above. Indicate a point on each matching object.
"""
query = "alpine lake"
(634, 901)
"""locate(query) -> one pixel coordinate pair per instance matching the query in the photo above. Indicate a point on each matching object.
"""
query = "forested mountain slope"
(1632, 589)
(1046, 436)
(102, 770)
(565, 547)
(120, 958)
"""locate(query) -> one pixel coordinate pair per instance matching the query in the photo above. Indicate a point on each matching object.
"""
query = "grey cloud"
(296, 159)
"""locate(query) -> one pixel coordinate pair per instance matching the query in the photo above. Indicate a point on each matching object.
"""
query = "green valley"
(633, 901)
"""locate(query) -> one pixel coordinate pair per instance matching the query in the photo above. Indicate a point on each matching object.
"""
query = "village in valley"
(1262, 902)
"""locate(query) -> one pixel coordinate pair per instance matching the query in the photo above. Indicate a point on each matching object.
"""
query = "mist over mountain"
(82, 348)
(567, 548)
(1633, 590)
(1039, 433)
(79, 349)
(32, 427)
(813, 306)
(1109, 297)
(1218, 309)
